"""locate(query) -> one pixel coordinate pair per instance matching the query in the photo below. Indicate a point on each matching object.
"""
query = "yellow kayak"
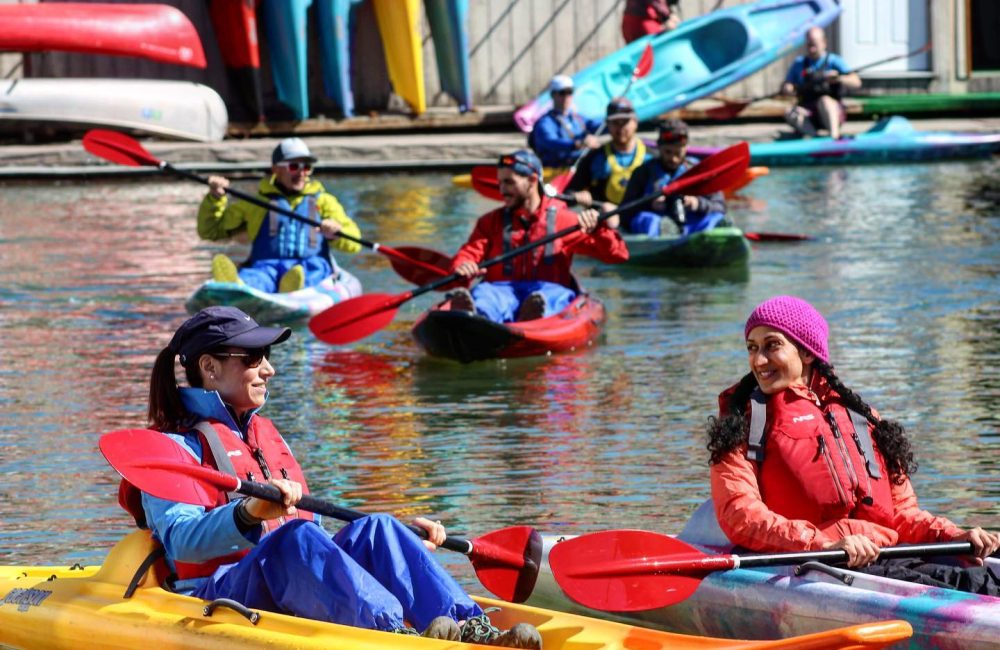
(47, 608)
(399, 26)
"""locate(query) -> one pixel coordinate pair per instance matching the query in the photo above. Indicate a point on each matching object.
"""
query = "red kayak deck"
(152, 31)
(465, 337)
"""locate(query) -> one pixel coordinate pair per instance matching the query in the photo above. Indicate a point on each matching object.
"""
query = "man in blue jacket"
(562, 135)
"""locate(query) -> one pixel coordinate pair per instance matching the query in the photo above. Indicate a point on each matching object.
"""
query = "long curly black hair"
(728, 432)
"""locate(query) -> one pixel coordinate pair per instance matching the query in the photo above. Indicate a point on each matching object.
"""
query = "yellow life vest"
(614, 187)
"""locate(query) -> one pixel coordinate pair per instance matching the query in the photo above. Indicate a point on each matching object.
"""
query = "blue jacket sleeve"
(552, 143)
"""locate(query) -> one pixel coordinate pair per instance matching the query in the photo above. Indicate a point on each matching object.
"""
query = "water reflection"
(904, 264)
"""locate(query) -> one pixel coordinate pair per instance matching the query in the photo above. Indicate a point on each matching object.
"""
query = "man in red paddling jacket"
(537, 282)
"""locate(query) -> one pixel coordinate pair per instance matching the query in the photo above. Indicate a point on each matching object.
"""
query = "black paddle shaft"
(268, 492)
(448, 279)
(910, 550)
(264, 204)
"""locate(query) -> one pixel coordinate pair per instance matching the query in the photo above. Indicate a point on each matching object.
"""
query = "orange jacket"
(549, 263)
(754, 521)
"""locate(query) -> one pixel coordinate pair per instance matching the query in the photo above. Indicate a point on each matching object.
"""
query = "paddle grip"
(268, 492)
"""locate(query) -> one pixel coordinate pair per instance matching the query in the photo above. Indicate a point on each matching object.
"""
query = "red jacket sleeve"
(603, 244)
(474, 249)
(916, 525)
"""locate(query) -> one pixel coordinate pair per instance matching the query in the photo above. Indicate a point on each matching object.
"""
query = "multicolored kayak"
(465, 337)
(66, 608)
(235, 25)
(449, 20)
(703, 56)
(173, 109)
(399, 26)
(334, 25)
(276, 307)
(153, 31)
(285, 26)
(784, 601)
(714, 247)
(891, 139)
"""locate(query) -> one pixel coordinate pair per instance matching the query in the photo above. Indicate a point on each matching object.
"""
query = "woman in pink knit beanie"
(800, 462)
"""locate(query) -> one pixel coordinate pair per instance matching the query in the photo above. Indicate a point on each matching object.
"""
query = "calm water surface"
(905, 265)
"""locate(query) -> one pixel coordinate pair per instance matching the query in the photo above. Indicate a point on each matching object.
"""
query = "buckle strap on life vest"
(548, 256)
(758, 420)
(219, 453)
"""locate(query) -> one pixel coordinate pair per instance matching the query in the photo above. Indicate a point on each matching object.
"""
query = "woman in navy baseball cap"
(373, 573)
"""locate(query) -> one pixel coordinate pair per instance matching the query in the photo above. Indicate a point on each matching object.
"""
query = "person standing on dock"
(537, 282)
(286, 254)
(562, 135)
(603, 173)
(687, 213)
(645, 17)
(800, 462)
(818, 80)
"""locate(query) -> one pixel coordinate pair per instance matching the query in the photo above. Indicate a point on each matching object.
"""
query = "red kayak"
(466, 337)
(152, 31)
(235, 25)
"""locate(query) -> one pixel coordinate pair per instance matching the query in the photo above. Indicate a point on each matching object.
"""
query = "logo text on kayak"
(25, 598)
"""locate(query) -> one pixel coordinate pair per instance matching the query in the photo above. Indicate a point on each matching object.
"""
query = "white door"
(872, 30)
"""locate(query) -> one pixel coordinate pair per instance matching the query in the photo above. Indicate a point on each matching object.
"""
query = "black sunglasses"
(252, 358)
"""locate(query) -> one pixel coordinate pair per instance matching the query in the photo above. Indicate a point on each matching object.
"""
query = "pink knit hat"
(797, 319)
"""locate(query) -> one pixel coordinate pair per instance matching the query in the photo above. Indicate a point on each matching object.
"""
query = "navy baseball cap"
(620, 108)
(523, 162)
(214, 327)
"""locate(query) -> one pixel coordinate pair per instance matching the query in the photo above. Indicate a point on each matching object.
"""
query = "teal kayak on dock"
(702, 56)
(449, 21)
(334, 18)
(285, 26)
(891, 139)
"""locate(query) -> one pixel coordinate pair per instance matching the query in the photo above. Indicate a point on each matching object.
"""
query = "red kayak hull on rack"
(466, 337)
(152, 31)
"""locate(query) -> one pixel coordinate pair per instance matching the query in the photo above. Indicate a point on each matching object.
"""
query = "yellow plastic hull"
(50, 608)
(399, 26)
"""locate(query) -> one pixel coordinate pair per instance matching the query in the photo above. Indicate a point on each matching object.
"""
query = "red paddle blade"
(356, 318)
(484, 181)
(154, 463)
(776, 236)
(418, 265)
(645, 63)
(715, 173)
(507, 561)
(728, 110)
(625, 570)
(118, 148)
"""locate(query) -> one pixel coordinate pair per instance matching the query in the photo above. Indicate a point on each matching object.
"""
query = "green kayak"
(715, 247)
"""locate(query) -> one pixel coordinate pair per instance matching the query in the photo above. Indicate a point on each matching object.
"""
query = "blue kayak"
(891, 139)
(285, 26)
(334, 18)
(449, 20)
(702, 56)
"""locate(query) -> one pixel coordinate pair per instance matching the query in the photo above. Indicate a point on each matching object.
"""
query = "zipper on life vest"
(258, 454)
(852, 476)
(825, 452)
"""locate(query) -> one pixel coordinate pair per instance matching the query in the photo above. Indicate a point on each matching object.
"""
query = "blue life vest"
(281, 237)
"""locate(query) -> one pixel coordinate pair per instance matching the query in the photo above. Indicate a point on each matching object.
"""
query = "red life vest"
(812, 464)
(263, 455)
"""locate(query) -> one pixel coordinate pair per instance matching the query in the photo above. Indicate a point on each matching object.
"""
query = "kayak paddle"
(506, 560)
(417, 265)
(484, 181)
(359, 317)
(641, 69)
(731, 108)
(633, 570)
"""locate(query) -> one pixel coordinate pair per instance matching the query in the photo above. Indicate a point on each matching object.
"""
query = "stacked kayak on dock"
(714, 247)
(777, 601)
(891, 139)
(66, 608)
(276, 307)
(172, 109)
(466, 337)
(702, 56)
